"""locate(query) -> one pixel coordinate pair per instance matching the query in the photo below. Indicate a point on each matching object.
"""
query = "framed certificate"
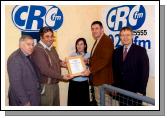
(75, 65)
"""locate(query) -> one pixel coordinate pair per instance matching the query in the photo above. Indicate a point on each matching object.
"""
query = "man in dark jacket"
(24, 89)
(130, 67)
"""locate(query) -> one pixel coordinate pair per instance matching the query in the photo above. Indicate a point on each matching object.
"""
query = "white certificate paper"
(75, 65)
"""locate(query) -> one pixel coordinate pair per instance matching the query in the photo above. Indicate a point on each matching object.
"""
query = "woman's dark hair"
(84, 41)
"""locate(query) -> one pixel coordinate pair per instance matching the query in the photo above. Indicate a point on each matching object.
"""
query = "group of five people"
(34, 72)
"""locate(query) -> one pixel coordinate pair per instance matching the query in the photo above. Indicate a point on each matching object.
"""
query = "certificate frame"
(69, 66)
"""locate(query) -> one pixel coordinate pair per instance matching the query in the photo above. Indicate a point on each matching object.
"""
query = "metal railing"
(121, 96)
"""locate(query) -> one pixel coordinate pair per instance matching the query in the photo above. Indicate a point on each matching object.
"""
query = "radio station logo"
(31, 18)
(128, 15)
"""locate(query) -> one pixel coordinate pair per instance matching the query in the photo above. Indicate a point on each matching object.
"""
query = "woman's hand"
(85, 73)
(68, 77)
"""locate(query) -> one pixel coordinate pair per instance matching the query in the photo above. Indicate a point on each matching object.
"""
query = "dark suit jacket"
(24, 85)
(133, 73)
(101, 62)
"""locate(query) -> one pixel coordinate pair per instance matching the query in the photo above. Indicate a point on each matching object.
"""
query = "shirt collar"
(128, 47)
(45, 46)
(100, 37)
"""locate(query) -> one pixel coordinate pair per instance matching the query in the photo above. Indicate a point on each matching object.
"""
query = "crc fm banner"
(141, 18)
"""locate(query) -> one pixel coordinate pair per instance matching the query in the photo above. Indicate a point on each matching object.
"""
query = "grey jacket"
(24, 84)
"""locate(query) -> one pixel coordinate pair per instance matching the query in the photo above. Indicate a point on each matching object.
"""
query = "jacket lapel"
(128, 54)
(28, 63)
(98, 46)
(121, 55)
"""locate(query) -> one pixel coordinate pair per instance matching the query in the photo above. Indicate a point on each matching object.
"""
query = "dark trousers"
(78, 93)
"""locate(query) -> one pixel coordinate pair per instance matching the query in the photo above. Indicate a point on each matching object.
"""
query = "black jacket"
(133, 73)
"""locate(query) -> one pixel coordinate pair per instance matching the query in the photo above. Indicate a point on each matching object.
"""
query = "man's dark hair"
(45, 30)
(97, 22)
(126, 28)
(84, 41)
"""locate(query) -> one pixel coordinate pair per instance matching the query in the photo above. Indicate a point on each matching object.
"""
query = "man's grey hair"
(23, 37)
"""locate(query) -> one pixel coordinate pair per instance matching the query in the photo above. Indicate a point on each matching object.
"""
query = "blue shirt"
(81, 78)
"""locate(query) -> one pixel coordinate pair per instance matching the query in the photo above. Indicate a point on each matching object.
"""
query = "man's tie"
(125, 53)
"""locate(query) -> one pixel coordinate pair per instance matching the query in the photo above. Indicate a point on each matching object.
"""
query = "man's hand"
(86, 61)
(28, 104)
(140, 94)
(85, 73)
(63, 64)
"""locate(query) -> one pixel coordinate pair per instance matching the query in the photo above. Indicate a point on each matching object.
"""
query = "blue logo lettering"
(33, 17)
(126, 15)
